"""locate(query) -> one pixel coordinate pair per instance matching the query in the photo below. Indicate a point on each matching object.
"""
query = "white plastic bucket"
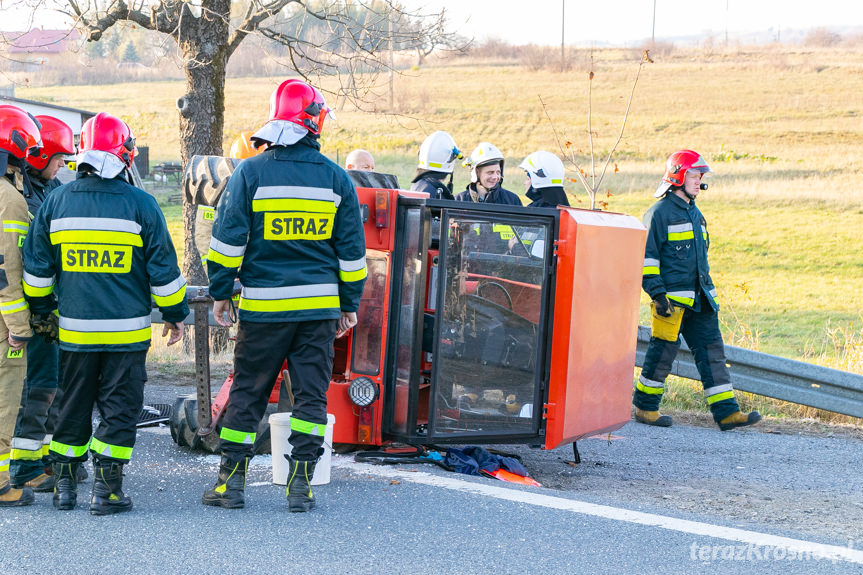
(280, 431)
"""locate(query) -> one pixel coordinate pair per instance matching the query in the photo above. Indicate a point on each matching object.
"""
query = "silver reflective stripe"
(26, 444)
(112, 325)
(650, 382)
(352, 265)
(289, 292)
(169, 289)
(227, 249)
(297, 193)
(708, 391)
(677, 228)
(712, 293)
(38, 282)
(704, 229)
(95, 224)
(684, 294)
(650, 262)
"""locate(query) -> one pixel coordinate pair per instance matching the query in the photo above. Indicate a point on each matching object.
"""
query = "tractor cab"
(478, 323)
(489, 324)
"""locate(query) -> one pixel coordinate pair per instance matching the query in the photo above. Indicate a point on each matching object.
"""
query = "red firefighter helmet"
(19, 131)
(676, 167)
(301, 103)
(57, 138)
(106, 133)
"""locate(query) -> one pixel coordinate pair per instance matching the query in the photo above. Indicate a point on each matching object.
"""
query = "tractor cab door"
(483, 331)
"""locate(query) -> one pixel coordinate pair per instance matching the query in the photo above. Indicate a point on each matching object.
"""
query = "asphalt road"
(683, 500)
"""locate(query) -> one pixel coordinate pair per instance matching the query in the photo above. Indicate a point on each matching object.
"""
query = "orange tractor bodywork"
(486, 324)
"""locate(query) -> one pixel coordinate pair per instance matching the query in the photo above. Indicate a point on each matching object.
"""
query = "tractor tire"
(184, 428)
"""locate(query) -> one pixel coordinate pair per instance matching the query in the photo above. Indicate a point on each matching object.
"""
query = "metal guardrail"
(777, 377)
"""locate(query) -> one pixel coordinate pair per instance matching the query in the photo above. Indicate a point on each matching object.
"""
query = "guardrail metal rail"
(777, 377)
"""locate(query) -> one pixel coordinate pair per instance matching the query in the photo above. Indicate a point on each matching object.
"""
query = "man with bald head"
(360, 160)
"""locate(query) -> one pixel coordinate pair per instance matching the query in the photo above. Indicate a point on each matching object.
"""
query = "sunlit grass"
(780, 126)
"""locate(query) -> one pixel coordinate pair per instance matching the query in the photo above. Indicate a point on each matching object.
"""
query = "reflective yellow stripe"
(227, 261)
(503, 230)
(14, 306)
(25, 455)
(96, 237)
(676, 236)
(234, 436)
(308, 427)
(15, 227)
(108, 450)
(69, 450)
(173, 299)
(105, 337)
(649, 390)
(650, 270)
(293, 205)
(353, 276)
(683, 300)
(719, 397)
(293, 304)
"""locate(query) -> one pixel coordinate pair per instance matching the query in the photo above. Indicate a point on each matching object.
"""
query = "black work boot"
(108, 496)
(229, 488)
(299, 491)
(65, 485)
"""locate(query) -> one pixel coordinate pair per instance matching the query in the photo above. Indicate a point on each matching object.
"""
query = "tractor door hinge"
(549, 410)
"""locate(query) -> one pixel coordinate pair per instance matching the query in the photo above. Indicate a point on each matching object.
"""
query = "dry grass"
(780, 125)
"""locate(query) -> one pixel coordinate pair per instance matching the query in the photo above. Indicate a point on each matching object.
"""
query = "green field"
(782, 128)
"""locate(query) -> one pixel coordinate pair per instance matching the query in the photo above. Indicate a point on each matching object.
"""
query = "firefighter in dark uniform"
(544, 183)
(291, 217)
(103, 247)
(486, 165)
(19, 136)
(437, 157)
(676, 276)
(38, 413)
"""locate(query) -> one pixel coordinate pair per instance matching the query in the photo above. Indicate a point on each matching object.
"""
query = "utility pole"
(390, 34)
(653, 29)
(562, 35)
(726, 23)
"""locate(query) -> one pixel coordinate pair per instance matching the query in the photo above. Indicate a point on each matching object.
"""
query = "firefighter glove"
(46, 325)
(663, 306)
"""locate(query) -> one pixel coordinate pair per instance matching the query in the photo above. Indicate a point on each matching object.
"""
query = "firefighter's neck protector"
(279, 133)
(104, 164)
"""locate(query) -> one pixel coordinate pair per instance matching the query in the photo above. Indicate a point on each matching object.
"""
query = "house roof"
(38, 40)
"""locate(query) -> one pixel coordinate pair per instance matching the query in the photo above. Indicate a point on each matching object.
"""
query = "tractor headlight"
(363, 391)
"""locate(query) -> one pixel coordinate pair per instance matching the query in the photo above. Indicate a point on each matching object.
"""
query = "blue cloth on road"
(472, 459)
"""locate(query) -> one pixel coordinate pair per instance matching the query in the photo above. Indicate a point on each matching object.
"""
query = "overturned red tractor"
(478, 324)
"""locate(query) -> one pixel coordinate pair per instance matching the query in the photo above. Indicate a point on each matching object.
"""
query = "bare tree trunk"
(204, 44)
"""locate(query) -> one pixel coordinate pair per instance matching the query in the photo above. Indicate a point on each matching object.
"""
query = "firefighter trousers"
(111, 381)
(13, 370)
(700, 329)
(38, 412)
(259, 353)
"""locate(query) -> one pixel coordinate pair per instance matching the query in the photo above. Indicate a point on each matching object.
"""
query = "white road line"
(799, 546)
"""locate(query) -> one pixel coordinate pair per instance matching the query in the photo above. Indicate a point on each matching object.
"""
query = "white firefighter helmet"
(544, 169)
(484, 153)
(438, 152)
